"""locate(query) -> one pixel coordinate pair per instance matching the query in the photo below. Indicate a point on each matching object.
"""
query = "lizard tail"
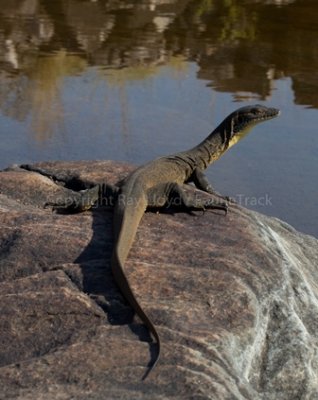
(126, 222)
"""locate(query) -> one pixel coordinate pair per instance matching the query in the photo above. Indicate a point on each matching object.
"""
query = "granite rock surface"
(234, 298)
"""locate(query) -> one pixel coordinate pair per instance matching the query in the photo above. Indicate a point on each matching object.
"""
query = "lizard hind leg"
(103, 195)
(76, 201)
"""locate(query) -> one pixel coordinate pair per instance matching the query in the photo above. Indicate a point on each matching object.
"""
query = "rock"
(234, 299)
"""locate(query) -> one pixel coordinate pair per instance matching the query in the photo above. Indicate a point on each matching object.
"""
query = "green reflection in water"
(45, 97)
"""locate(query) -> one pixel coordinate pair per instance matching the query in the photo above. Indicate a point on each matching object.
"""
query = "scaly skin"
(159, 182)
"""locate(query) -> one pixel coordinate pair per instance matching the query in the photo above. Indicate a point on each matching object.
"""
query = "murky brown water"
(132, 80)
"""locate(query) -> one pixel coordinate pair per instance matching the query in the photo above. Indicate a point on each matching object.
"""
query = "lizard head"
(242, 120)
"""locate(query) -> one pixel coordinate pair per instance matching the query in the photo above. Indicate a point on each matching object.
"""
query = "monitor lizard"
(158, 183)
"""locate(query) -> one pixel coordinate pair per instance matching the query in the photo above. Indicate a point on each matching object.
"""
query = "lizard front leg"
(173, 195)
(201, 182)
(178, 197)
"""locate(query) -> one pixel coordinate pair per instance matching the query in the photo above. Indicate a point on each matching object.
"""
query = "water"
(132, 80)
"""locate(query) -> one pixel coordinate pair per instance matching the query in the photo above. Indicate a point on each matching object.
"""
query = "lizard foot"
(212, 205)
(76, 201)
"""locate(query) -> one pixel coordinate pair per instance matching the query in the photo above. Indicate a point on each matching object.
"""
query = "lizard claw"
(212, 206)
(230, 199)
(54, 206)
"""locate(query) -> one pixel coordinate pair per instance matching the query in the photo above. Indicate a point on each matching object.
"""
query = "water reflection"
(242, 48)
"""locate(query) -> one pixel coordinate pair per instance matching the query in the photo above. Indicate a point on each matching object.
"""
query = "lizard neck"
(212, 147)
